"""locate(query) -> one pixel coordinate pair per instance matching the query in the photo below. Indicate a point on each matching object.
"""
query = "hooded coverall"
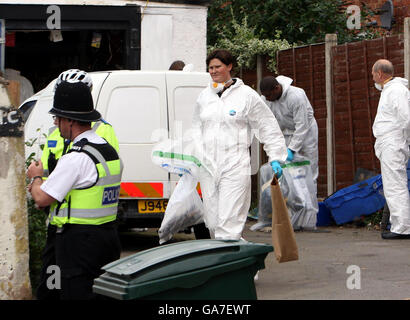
(223, 128)
(294, 114)
(391, 129)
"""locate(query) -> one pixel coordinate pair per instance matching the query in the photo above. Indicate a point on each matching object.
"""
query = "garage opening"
(40, 58)
(92, 38)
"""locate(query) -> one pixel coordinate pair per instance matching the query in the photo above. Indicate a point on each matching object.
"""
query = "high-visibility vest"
(97, 204)
(54, 147)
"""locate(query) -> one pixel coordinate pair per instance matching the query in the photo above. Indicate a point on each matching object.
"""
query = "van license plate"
(152, 206)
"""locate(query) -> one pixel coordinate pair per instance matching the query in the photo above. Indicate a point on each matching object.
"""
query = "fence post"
(407, 48)
(331, 40)
(14, 248)
(256, 155)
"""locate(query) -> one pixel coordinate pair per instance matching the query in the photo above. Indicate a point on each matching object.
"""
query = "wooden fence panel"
(355, 99)
(306, 66)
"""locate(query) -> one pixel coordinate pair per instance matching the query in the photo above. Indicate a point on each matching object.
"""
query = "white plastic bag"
(184, 209)
(302, 201)
(265, 202)
(180, 157)
(169, 155)
(297, 187)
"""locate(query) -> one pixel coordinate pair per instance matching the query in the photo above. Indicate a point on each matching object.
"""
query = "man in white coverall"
(294, 113)
(226, 115)
(391, 129)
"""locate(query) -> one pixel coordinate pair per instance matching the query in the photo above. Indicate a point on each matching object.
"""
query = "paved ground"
(324, 259)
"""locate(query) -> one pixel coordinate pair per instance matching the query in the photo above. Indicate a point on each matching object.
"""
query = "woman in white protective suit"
(226, 116)
(391, 129)
(294, 113)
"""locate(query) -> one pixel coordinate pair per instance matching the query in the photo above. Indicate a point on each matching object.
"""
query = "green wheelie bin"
(188, 270)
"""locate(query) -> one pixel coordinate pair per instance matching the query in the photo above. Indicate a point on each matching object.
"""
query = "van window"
(184, 104)
(134, 113)
(27, 108)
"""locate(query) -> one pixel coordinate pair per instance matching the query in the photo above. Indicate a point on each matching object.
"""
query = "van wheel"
(201, 231)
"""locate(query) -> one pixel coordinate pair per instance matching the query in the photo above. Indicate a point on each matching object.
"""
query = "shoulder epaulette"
(79, 145)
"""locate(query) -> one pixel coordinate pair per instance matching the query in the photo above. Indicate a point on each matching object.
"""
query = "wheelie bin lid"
(182, 257)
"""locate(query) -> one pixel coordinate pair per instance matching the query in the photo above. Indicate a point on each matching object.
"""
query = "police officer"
(82, 193)
(55, 145)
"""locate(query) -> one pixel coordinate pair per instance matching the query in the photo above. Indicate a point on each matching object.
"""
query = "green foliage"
(37, 230)
(299, 21)
(37, 239)
(245, 45)
(31, 143)
(374, 219)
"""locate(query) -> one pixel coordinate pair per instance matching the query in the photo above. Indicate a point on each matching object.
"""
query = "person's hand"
(35, 169)
(290, 155)
(276, 168)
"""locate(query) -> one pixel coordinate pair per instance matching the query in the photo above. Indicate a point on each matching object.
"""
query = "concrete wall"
(401, 9)
(14, 248)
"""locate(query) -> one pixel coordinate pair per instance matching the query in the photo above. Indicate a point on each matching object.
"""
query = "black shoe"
(388, 235)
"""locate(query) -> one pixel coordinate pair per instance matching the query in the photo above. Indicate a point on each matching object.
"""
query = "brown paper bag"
(283, 237)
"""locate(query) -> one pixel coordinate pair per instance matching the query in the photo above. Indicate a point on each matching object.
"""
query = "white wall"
(168, 31)
(170, 34)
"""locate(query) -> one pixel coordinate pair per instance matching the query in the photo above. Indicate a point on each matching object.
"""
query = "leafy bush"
(37, 231)
(245, 46)
(299, 21)
(37, 239)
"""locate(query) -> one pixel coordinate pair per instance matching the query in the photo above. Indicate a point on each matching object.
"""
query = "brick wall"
(401, 9)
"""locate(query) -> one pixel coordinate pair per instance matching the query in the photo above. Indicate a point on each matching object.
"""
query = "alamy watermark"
(354, 281)
(54, 280)
(207, 149)
(53, 17)
(354, 19)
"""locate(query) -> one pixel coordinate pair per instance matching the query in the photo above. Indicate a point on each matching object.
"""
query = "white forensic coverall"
(223, 128)
(391, 129)
(294, 114)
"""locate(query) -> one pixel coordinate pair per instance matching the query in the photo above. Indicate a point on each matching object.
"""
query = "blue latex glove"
(290, 155)
(276, 168)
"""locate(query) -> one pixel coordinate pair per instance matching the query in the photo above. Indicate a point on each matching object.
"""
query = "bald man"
(391, 129)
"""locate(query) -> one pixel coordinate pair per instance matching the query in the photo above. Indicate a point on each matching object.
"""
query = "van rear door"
(134, 103)
(183, 89)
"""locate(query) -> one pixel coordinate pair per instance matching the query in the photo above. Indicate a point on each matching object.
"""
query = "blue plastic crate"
(408, 175)
(362, 198)
(324, 217)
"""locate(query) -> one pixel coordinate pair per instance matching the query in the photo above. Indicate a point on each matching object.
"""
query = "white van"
(141, 106)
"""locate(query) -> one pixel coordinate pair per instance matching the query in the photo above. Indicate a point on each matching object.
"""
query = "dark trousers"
(73, 258)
